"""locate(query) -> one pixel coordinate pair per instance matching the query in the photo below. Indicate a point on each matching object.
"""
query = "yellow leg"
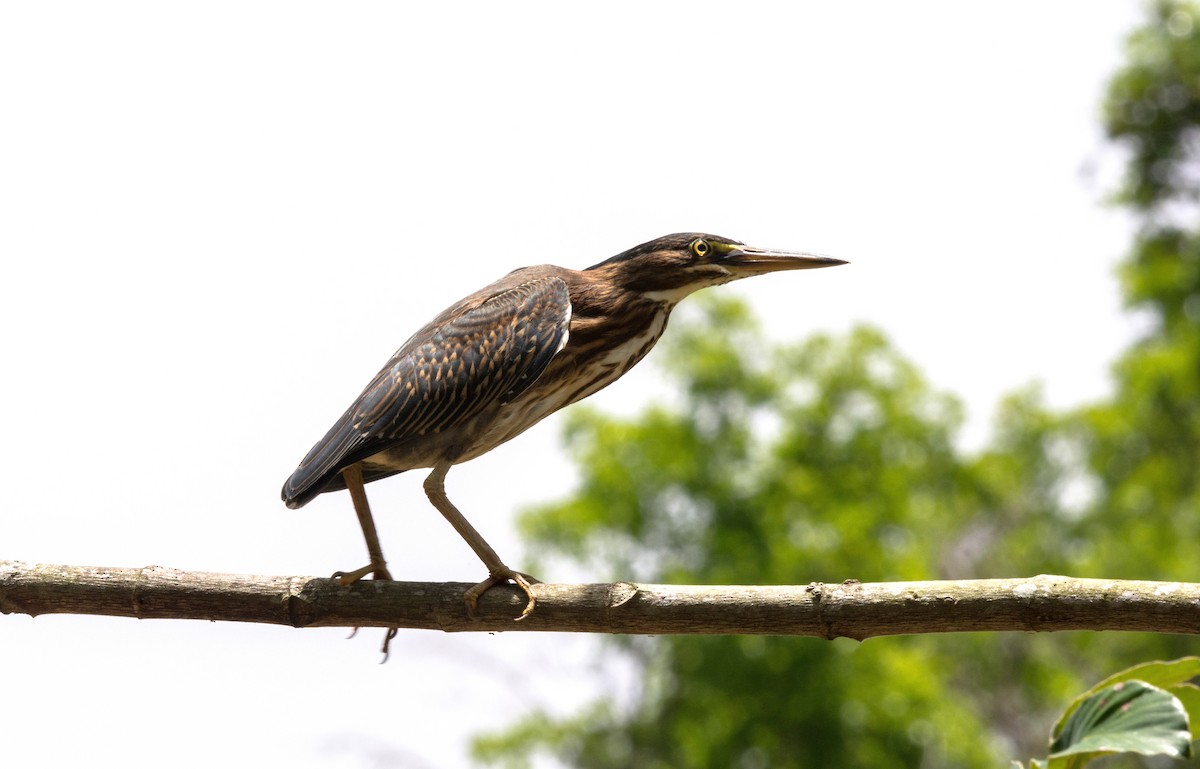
(435, 489)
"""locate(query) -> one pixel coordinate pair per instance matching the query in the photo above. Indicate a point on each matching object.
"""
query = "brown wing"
(442, 377)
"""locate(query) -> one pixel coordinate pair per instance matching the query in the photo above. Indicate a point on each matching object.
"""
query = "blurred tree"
(834, 458)
(1143, 447)
(821, 461)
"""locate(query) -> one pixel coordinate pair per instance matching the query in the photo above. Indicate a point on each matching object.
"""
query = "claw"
(387, 641)
(345, 578)
(500, 576)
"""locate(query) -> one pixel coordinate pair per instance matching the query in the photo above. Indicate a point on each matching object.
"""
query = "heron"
(499, 361)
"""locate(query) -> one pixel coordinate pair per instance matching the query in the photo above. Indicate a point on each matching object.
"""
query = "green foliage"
(834, 459)
(1173, 676)
(1145, 709)
(1127, 717)
(821, 461)
(703, 491)
(1153, 106)
(1143, 447)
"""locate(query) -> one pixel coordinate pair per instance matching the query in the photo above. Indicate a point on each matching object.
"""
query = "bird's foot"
(500, 576)
(350, 577)
(346, 578)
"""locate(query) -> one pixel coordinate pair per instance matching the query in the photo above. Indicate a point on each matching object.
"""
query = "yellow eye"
(700, 247)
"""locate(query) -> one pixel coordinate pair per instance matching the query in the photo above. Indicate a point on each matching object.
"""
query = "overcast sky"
(219, 219)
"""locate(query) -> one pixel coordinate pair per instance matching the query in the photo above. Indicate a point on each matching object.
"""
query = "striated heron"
(497, 362)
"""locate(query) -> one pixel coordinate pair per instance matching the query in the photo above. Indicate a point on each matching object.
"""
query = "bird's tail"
(321, 468)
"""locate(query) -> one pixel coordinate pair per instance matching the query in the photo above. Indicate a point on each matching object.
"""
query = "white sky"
(219, 219)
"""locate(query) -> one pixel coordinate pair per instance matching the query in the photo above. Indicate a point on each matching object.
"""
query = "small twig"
(848, 609)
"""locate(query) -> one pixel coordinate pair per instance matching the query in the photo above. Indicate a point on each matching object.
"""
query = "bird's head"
(671, 267)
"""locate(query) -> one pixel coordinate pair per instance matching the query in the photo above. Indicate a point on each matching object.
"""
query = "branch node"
(621, 593)
(820, 598)
(299, 610)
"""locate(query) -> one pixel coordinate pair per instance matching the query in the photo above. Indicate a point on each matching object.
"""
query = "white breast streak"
(619, 357)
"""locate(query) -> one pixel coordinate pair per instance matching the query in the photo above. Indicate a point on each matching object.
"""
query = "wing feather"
(442, 377)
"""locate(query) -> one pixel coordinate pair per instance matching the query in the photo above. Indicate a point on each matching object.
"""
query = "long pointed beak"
(748, 260)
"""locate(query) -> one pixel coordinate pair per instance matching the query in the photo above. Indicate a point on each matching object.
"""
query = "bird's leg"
(377, 567)
(435, 489)
(354, 484)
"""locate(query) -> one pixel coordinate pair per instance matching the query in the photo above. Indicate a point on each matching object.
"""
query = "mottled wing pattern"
(441, 379)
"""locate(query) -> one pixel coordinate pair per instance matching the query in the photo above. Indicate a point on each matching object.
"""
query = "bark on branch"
(850, 609)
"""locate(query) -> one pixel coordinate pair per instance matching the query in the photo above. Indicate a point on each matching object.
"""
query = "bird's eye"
(700, 247)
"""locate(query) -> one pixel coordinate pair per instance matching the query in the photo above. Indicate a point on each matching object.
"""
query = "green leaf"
(1164, 675)
(1126, 717)
(1189, 696)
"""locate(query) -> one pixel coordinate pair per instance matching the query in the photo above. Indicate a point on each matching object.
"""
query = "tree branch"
(851, 609)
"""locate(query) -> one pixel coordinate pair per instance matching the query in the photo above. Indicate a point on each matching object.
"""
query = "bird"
(499, 361)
